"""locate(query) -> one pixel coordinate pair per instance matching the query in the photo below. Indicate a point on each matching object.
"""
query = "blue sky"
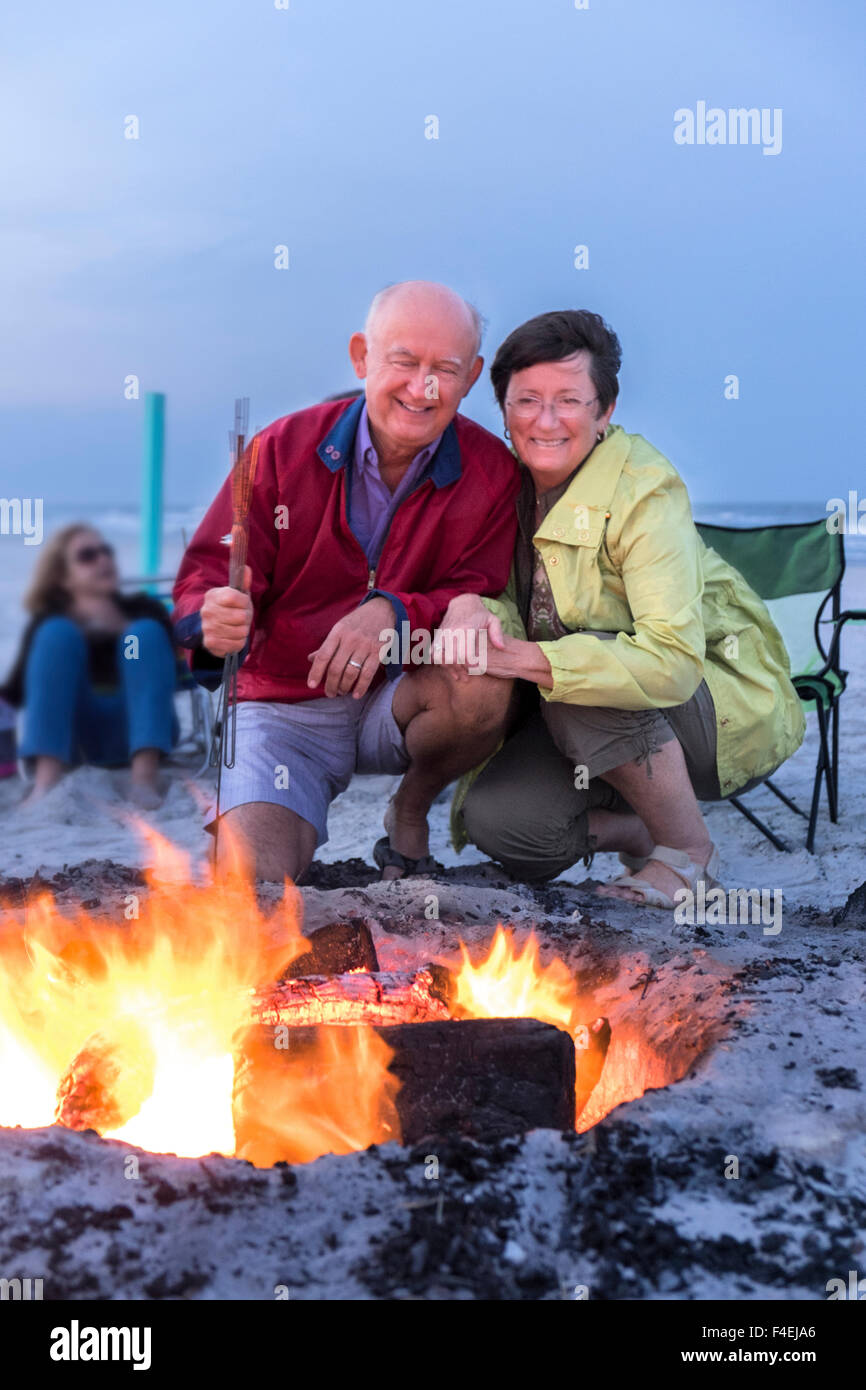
(306, 127)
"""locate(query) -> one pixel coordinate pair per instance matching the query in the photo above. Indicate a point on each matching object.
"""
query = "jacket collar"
(591, 491)
(337, 446)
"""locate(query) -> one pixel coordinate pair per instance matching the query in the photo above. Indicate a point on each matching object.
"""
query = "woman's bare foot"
(48, 772)
(144, 788)
(33, 797)
(145, 796)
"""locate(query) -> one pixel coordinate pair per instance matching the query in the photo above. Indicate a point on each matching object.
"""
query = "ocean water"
(122, 527)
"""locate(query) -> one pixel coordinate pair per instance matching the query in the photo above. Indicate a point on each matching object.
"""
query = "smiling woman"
(618, 622)
(557, 407)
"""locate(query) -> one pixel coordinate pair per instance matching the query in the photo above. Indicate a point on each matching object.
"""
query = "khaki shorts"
(302, 755)
(600, 739)
(529, 808)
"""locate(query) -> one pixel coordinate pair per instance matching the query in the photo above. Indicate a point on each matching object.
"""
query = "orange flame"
(512, 983)
(131, 1029)
(333, 1094)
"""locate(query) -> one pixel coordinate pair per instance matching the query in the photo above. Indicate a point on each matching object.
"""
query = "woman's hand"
(515, 659)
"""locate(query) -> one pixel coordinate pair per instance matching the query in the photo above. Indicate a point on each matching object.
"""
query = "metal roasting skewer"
(243, 464)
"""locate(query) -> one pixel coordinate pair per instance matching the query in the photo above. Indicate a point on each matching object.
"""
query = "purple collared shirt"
(373, 505)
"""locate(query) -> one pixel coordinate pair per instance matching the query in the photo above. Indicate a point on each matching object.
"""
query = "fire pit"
(204, 1024)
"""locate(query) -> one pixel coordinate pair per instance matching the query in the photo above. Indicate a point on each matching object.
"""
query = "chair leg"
(828, 765)
(835, 759)
(764, 829)
(787, 800)
(821, 773)
(207, 722)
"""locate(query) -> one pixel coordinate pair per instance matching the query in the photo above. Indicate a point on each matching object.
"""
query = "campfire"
(203, 1024)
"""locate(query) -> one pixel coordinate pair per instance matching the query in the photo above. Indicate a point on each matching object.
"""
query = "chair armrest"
(849, 614)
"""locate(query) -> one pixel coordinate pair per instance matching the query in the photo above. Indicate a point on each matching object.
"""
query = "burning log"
(335, 950)
(483, 1078)
(108, 1079)
(388, 997)
(591, 1044)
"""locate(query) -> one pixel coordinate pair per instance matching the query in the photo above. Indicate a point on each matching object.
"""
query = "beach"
(86, 816)
(755, 1020)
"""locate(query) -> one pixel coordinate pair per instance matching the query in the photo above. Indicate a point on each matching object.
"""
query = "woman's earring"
(599, 437)
(507, 432)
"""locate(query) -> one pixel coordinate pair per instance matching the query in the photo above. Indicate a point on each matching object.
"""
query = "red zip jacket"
(453, 534)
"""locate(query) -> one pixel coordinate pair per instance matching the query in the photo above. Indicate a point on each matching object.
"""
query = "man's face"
(418, 362)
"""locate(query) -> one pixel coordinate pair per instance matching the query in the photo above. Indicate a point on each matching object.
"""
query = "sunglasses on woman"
(88, 554)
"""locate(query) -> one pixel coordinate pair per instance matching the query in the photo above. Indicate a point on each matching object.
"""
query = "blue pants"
(65, 718)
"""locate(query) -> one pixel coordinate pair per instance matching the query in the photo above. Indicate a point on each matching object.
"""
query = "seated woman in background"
(96, 670)
(652, 675)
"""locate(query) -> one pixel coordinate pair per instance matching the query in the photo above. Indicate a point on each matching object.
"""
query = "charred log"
(108, 1079)
(591, 1046)
(388, 997)
(482, 1078)
(336, 949)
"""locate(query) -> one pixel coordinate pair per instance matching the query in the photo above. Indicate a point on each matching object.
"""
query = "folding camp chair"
(797, 570)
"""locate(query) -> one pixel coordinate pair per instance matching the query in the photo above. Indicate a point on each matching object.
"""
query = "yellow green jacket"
(622, 555)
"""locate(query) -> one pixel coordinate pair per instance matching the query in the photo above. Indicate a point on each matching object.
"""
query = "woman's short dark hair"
(555, 336)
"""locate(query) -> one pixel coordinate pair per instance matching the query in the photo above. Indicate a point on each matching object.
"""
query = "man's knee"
(480, 704)
(260, 839)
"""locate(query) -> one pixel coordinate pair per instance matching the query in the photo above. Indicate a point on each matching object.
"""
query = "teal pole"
(151, 497)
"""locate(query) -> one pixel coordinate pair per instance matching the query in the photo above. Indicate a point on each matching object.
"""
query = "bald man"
(368, 520)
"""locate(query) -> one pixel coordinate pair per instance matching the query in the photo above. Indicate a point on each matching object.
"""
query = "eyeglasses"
(567, 408)
(88, 554)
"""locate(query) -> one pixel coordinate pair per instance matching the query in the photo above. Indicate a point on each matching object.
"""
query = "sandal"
(685, 868)
(633, 862)
(385, 854)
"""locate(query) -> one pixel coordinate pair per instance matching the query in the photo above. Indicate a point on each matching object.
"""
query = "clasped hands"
(349, 657)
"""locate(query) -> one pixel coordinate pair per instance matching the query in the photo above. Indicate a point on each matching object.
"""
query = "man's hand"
(226, 618)
(464, 615)
(348, 659)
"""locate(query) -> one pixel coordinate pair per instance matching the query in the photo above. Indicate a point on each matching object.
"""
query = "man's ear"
(474, 373)
(358, 354)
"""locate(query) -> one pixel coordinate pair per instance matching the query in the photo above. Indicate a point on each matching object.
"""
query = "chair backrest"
(798, 558)
(797, 569)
